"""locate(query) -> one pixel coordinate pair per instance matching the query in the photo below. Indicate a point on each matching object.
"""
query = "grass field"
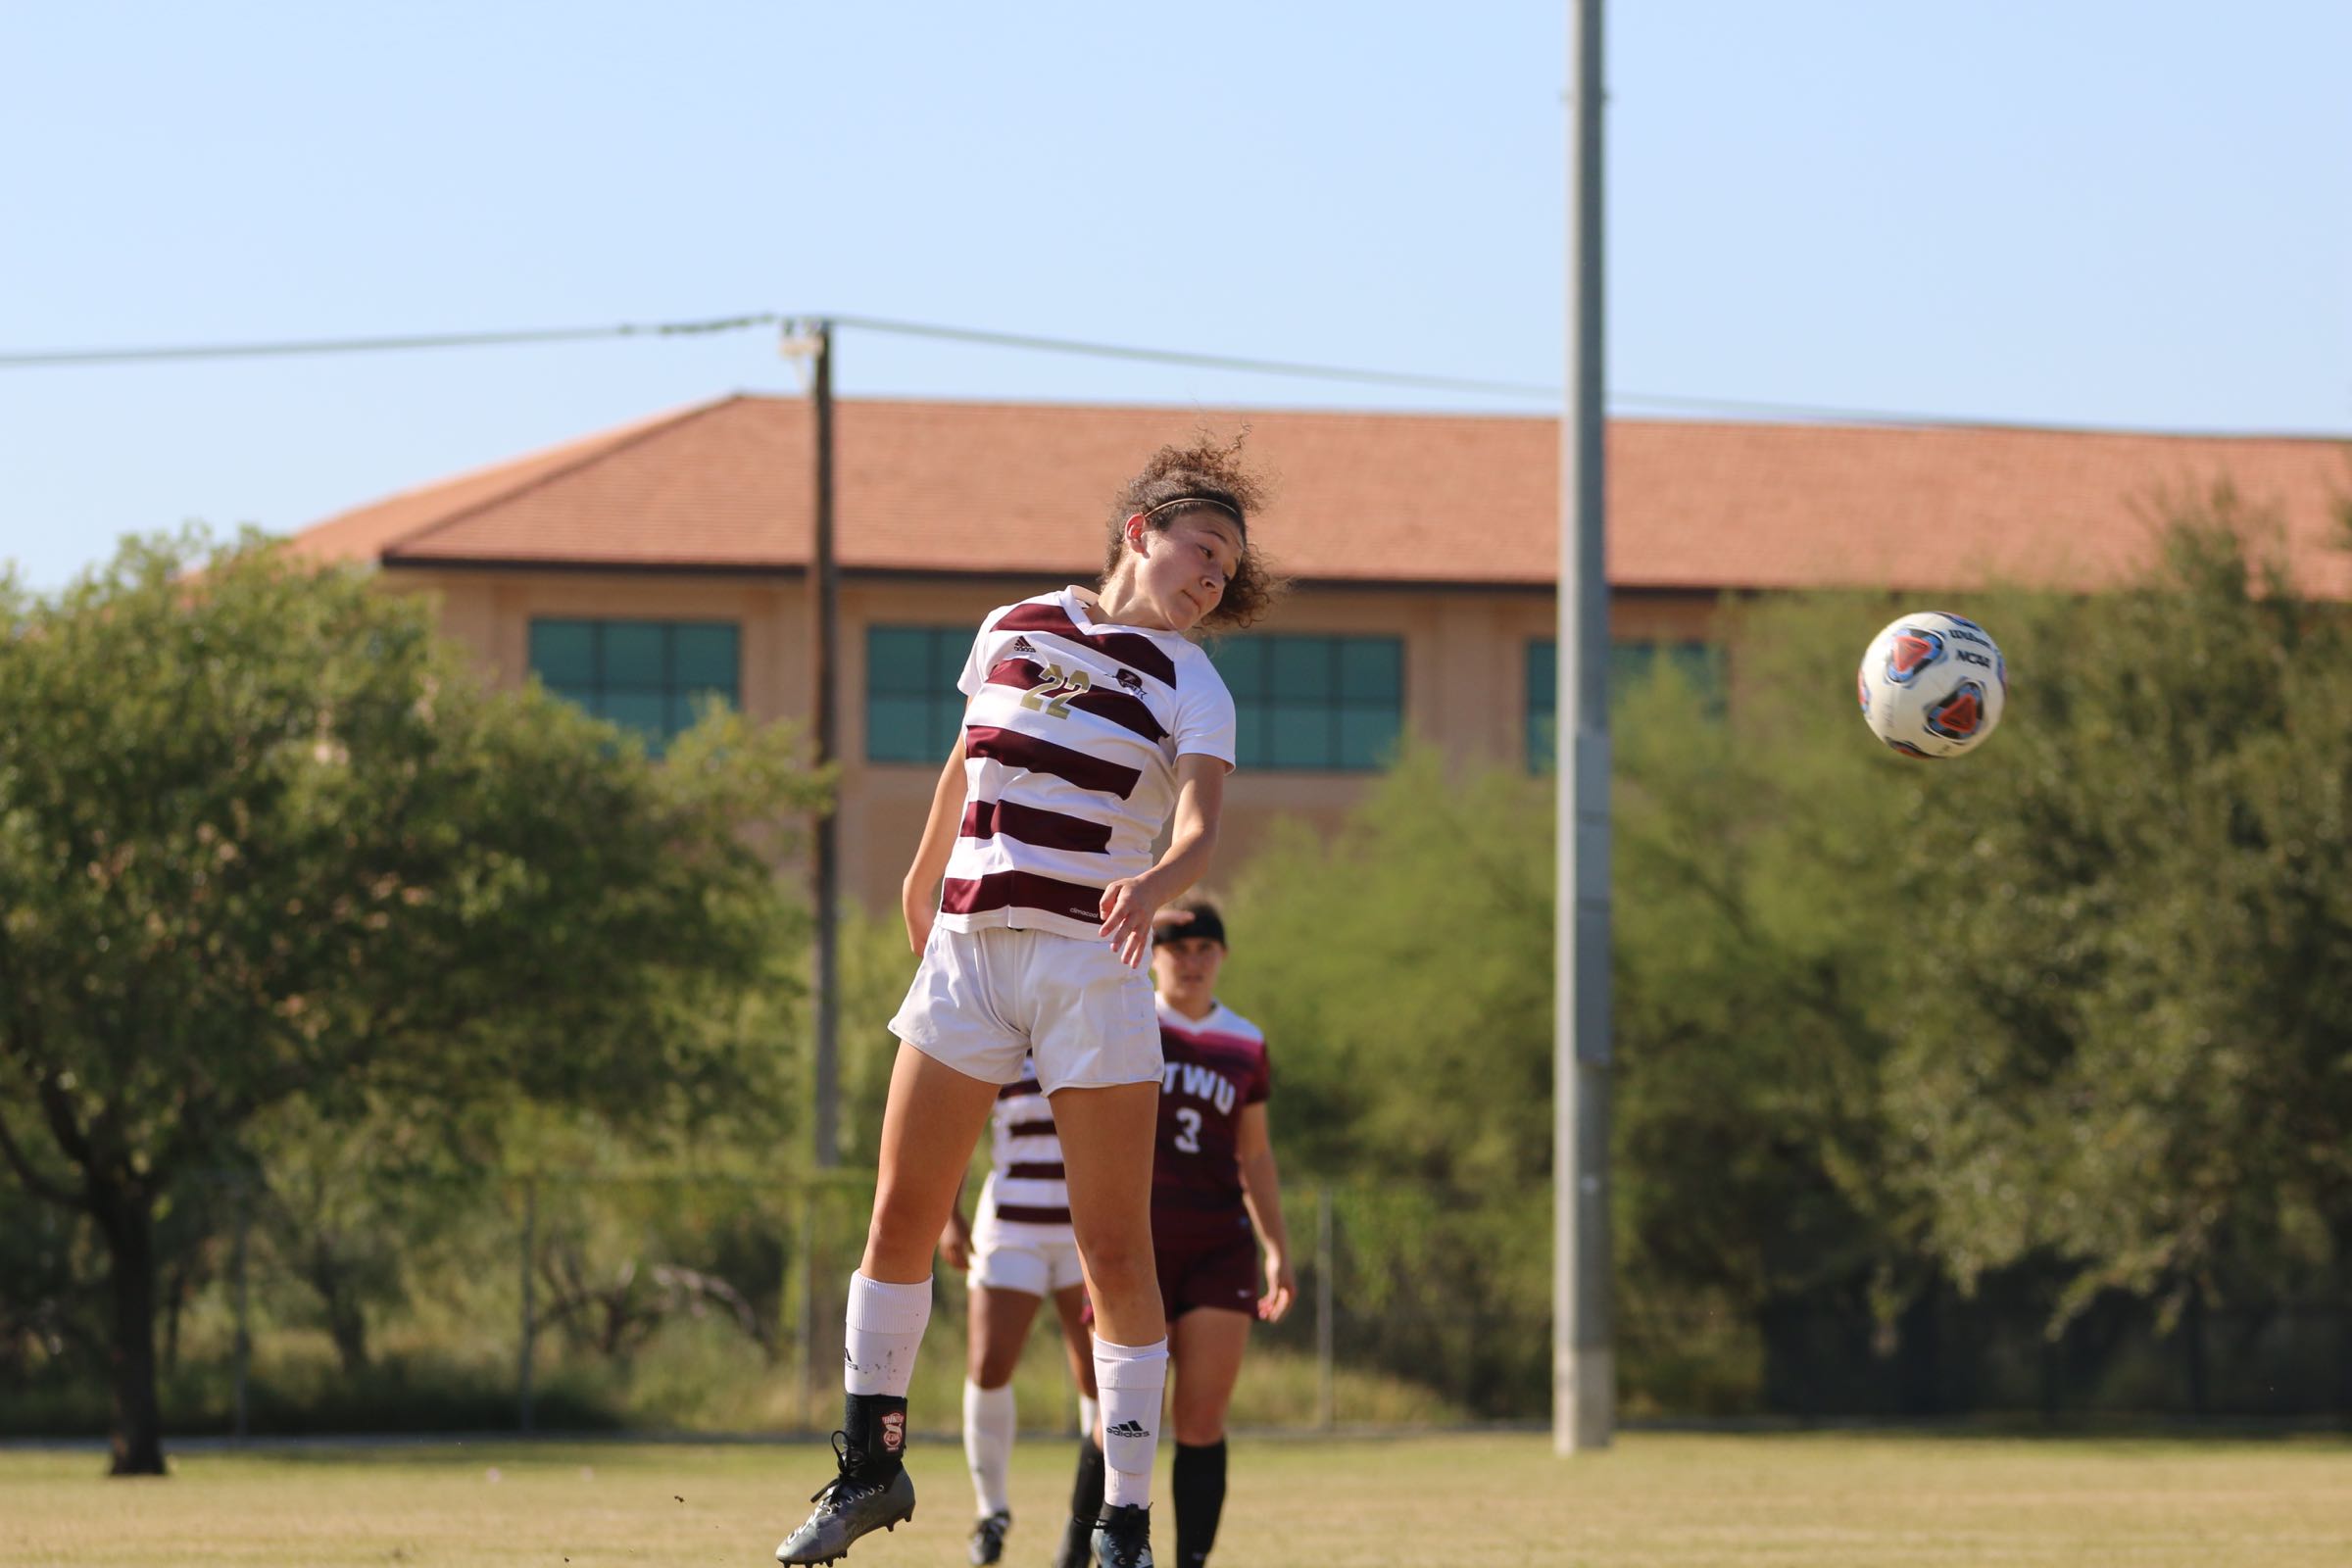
(1654, 1501)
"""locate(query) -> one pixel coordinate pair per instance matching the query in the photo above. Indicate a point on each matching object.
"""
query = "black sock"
(1199, 1486)
(1086, 1494)
(875, 1427)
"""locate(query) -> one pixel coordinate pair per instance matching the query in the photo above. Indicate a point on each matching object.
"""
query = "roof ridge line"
(643, 432)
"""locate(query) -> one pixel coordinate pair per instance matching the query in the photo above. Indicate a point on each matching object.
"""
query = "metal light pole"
(1583, 1363)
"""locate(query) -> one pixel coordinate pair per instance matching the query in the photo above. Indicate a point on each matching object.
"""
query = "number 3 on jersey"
(1051, 695)
(1189, 1140)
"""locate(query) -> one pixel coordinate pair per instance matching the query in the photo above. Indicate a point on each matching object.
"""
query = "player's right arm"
(1128, 903)
(918, 895)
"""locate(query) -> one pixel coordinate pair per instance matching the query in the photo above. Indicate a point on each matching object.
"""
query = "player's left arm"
(1128, 903)
(1261, 1191)
(955, 1241)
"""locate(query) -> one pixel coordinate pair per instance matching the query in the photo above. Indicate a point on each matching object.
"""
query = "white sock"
(1130, 1377)
(885, 1325)
(989, 1417)
(1090, 1416)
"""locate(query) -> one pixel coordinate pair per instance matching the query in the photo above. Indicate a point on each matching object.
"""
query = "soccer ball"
(1933, 685)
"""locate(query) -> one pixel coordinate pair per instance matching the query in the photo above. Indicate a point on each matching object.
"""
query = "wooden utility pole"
(824, 581)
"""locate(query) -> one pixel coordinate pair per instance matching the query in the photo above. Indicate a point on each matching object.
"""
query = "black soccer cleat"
(1077, 1545)
(988, 1538)
(1123, 1540)
(866, 1497)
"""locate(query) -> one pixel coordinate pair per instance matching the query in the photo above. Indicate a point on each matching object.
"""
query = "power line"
(52, 358)
(39, 358)
(1818, 414)
(1205, 362)
(1620, 399)
(1737, 407)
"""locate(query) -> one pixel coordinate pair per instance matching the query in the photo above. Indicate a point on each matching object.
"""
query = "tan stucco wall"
(1464, 671)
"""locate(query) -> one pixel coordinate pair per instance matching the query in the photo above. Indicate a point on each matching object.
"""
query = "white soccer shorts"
(984, 999)
(1035, 1260)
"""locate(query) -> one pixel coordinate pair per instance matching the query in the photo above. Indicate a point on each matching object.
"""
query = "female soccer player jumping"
(1213, 1173)
(1091, 725)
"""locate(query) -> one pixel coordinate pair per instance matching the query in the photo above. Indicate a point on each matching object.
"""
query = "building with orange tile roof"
(638, 567)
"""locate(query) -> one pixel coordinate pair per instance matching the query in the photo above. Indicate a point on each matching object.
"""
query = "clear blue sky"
(2081, 210)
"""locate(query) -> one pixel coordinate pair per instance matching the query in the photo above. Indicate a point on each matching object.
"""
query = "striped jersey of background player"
(1214, 1174)
(1092, 724)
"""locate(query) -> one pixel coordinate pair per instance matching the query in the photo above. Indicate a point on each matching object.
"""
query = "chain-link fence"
(562, 1301)
(1948, 1356)
(701, 1304)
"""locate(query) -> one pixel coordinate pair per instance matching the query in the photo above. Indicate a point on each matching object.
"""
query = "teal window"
(1542, 703)
(912, 709)
(1325, 703)
(651, 676)
(1700, 665)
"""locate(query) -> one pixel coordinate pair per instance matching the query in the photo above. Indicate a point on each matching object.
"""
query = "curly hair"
(1207, 475)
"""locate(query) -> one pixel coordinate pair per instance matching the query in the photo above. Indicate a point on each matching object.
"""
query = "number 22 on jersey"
(1051, 695)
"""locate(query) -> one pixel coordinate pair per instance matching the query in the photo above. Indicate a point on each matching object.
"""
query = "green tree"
(46, 1280)
(1754, 882)
(1402, 972)
(2133, 1053)
(263, 838)
(347, 1203)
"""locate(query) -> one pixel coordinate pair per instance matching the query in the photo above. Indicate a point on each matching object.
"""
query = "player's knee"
(1122, 1264)
(897, 1246)
(1197, 1429)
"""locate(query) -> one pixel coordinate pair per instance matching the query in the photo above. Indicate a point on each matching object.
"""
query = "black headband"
(1205, 922)
(1226, 507)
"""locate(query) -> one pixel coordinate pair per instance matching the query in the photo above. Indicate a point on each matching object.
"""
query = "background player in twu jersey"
(1213, 1172)
(1020, 1249)
(1091, 725)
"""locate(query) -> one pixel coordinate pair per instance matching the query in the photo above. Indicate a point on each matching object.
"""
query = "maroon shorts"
(1207, 1263)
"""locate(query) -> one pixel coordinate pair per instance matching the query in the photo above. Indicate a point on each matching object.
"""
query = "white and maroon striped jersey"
(1025, 1184)
(1070, 740)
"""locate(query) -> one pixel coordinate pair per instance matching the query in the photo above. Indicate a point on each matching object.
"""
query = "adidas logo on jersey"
(1020, 645)
(1127, 1429)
